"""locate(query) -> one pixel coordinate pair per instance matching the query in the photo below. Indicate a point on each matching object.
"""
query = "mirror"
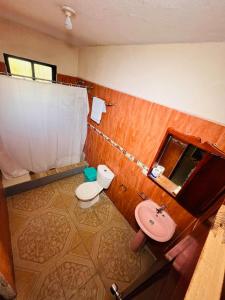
(190, 171)
(178, 160)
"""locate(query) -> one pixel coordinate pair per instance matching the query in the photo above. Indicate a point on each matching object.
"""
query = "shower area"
(43, 127)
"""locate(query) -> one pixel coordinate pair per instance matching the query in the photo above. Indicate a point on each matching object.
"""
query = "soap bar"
(90, 174)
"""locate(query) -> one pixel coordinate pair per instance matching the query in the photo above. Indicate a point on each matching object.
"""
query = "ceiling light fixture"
(69, 12)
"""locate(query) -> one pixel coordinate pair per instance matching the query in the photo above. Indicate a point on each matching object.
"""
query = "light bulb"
(68, 23)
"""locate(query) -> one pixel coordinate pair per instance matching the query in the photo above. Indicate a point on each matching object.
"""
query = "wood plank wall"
(2, 67)
(67, 78)
(6, 258)
(139, 126)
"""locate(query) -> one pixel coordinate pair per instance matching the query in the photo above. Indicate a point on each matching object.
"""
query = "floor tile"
(73, 273)
(64, 252)
(33, 200)
(93, 289)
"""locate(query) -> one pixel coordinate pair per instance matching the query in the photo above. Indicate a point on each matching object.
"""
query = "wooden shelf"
(167, 184)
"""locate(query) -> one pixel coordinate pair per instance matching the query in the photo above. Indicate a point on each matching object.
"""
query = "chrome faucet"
(161, 209)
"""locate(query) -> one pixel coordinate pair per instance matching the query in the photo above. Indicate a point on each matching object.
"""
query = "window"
(26, 67)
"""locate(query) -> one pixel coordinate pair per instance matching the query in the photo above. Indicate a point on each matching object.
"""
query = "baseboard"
(28, 185)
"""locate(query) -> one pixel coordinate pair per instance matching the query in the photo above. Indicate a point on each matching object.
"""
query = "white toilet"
(88, 192)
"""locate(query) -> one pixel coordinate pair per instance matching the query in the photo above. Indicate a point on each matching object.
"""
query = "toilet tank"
(104, 176)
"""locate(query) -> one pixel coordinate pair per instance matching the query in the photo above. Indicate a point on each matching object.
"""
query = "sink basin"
(160, 227)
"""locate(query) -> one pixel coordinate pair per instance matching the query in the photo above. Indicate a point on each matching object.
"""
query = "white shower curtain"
(42, 125)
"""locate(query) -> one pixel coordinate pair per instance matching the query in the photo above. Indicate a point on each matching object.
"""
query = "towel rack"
(78, 84)
(109, 104)
(106, 103)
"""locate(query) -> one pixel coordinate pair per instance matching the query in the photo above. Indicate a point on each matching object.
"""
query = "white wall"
(22, 41)
(187, 77)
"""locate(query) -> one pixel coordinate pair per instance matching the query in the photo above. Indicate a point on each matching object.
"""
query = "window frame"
(53, 67)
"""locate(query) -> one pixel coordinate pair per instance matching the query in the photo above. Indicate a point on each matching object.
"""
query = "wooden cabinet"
(205, 186)
(196, 171)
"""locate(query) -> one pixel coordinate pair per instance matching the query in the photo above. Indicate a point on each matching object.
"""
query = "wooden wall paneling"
(2, 67)
(129, 181)
(139, 126)
(6, 258)
(66, 78)
(147, 124)
(124, 170)
(132, 118)
(128, 120)
(127, 187)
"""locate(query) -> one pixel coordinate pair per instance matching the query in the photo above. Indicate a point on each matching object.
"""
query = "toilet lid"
(88, 190)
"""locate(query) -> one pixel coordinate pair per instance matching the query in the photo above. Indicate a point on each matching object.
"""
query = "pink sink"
(160, 227)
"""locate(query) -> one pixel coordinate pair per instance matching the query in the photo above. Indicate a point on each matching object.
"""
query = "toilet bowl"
(88, 192)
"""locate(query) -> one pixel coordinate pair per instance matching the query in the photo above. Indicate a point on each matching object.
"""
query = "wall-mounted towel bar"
(107, 103)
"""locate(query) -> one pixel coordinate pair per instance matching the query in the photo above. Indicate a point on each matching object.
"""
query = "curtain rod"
(46, 80)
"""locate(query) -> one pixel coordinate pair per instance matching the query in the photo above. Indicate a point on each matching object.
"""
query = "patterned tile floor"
(63, 252)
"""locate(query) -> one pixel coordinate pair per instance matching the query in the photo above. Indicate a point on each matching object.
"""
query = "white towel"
(98, 107)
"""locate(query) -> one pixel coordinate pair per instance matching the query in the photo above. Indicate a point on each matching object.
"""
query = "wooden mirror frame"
(212, 151)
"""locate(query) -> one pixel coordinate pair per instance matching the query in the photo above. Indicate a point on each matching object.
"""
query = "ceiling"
(121, 22)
